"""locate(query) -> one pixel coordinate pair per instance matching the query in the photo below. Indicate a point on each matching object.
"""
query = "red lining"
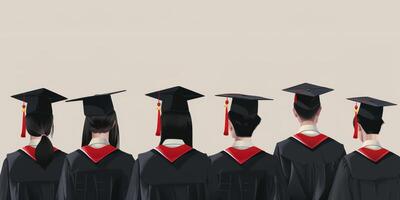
(96, 155)
(309, 141)
(242, 155)
(173, 153)
(31, 151)
(373, 155)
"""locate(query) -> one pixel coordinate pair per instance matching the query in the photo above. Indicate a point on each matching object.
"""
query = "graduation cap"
(97, 105)
(38, 102)
(243, 105)
(173, 99)
(306, 99)
(368, 113)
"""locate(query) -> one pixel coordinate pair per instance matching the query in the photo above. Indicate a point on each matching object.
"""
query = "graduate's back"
(23, 178)
(102, 173)
(309, 172)
(243, 177)
(360, 178)
(179, 175)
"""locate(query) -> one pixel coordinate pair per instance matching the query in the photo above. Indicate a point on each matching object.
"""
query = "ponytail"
(44, 151)
(41, 125)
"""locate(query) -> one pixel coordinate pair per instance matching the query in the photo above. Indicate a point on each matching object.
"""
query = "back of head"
(101, 124)
(244, 125)
(41, 125)
(176, 125)
(306, 106)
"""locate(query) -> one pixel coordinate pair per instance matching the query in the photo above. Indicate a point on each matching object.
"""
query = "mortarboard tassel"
(295, 98)
(158, 130)
(355, 122)
(23, 130)
(226, 127)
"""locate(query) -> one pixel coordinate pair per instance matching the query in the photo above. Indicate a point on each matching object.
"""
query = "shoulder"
(284, 143)
(11, 157)
(334, 144)
(361, 167)
(218, 156)
(123, 154)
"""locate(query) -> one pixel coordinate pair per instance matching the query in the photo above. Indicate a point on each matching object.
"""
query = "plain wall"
(80, 48)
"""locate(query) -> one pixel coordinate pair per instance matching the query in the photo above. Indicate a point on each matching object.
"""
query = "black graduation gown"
(361, 178)
(164, 173)
(309, 165)
(250, 174)
(95, 174)
(22, 178)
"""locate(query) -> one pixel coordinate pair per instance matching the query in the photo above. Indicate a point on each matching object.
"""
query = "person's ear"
(316, 117)
(295, 113)
(231, 129)
(361, 133)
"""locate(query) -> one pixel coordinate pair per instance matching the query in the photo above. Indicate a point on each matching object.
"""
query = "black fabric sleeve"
(65, 187)
(341, 184)
(4, 182)
(134, 192)
(281, 191)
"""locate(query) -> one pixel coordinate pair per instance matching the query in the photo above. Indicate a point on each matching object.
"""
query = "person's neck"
(99, 140)
(371, 141)
(309, 128)
(34, 140)
(242, 143)
(308, 122)
(172, 143)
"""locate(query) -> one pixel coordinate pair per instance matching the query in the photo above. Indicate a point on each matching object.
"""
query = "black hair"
(41, 125)
(101, 124)
(369, 126)
(244, 126)
(306, 106)
(176, 125)
(306, 114)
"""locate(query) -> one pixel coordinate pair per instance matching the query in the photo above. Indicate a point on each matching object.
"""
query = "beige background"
(80, 48)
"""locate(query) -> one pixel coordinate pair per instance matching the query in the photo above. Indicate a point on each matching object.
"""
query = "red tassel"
(23, 130)
(295, 98)
(226, 127)
(355, 122)
(158, 130)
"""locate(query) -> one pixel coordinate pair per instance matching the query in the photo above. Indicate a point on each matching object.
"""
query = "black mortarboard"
(98, 105)
(175, 98)
(39, 101)
(307, 101)
(369, 114)
(244, 107)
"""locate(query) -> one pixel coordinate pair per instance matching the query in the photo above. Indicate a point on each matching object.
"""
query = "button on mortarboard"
(98, 105)
(308, 89)
(39, 101)
(307, 99)
(175, 98)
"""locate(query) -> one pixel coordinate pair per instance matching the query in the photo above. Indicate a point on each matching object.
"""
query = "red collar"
(373, 155)
(309, 141)
(171, 153)
(31, 151)
(96, 155)
(242, 155)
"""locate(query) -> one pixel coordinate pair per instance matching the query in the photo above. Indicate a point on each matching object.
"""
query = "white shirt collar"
(98, 142)
(372, 144)
(173, 143)
(309, 130)
(34, 142)
(242, 143)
